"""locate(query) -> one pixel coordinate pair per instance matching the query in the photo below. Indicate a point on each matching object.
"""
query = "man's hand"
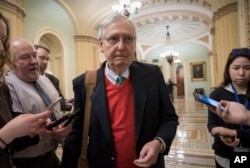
(234, 113)
(69, 102)
(149, 154)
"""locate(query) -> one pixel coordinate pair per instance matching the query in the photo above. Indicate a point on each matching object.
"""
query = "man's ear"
(101, 46)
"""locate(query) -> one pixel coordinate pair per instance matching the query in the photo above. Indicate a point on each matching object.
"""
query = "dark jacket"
(171, 85)
(5, 116)
(55, 82)
(154, 117)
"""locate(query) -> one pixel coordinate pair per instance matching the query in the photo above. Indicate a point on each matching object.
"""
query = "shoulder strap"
(90, 77)
(90, 82)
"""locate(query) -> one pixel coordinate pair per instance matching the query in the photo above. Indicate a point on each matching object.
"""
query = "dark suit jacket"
(154, 117)
(5, 116)
(55, 82)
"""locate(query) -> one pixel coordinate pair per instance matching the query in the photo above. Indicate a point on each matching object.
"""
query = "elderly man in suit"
(132, 123)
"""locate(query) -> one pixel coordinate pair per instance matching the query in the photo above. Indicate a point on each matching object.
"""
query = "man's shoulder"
(50, 76)
(145, 68)
(143, 65)
(44, 79)
(11, 78)
(79, 79)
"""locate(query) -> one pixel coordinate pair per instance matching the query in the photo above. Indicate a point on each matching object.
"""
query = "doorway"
(180, 81)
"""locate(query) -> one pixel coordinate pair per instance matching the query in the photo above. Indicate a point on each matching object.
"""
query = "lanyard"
(238, 100)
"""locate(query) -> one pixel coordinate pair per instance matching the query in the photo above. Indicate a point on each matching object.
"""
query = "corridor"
(191, 147)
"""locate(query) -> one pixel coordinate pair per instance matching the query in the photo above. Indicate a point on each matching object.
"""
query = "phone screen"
(207, 100)
(52, 105)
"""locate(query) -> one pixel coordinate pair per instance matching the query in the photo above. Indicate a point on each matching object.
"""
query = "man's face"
(27, 68)
(43, 58)
(118, 45)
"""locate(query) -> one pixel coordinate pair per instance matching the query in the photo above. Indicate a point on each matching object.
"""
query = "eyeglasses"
(241, 51)
(43, 58)
(113, 40)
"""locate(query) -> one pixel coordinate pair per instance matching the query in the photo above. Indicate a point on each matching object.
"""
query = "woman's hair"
(114, 17)
(5, 57)
(235, 53)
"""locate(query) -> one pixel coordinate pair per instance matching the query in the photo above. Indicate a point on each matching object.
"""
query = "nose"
(34, 60)
(120, 44)
(241, 71)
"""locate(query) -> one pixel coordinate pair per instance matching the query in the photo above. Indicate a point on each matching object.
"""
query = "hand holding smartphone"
(67, 119)
(206, 100)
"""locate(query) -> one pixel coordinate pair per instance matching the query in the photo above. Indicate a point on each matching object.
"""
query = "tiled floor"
(191, 147)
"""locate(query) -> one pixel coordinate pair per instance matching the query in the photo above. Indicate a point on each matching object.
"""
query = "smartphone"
(52, 105)
(73, 115)
(206, 100)
(66, 118)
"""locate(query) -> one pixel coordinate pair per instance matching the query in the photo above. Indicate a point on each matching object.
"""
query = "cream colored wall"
(15, 14)
(225, 37)
(87, 54)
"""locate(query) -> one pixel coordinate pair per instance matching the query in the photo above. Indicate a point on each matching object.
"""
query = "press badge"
(241, 149)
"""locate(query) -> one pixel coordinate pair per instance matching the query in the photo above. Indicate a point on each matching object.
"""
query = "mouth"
(33, 69)
(121, 57)
(241, 80)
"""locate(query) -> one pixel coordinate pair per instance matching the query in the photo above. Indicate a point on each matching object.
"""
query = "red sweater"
(121, 115)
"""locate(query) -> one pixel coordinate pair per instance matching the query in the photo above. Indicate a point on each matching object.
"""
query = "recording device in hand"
(206, 100)
(52, 105)
(67, 119)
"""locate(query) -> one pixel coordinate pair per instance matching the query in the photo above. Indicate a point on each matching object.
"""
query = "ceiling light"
(169, 54)
(126, 7)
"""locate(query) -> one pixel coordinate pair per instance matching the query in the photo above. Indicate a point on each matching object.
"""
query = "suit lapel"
(99, 105)
(139, 76)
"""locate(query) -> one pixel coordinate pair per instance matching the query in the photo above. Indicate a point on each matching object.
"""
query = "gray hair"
(114, 17)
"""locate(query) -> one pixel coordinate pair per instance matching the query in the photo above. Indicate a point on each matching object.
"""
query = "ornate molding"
(13, 7)
(203, 3)
(225, 10)
(86, 39)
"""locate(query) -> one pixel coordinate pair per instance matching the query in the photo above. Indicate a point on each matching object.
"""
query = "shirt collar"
(112, 76)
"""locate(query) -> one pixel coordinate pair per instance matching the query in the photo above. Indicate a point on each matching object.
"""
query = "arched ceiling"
(187, 19)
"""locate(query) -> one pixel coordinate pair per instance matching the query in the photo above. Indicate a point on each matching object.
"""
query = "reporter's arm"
(5, 138)
(22, 125)
(234, 113)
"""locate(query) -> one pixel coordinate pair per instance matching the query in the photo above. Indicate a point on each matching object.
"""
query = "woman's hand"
(227, 136)
(25, 124)
(230, 141)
